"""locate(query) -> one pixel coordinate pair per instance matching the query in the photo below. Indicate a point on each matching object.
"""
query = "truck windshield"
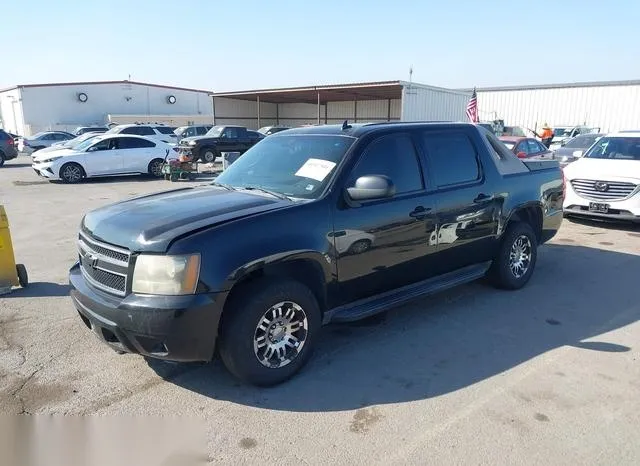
(297, 166)
(615, 148)
(215, 132)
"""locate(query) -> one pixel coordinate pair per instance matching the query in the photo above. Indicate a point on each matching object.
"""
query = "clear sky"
(235, 45)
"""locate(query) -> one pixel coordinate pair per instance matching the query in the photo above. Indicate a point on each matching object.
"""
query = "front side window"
(230, 133)
(105, 144)
(615, 148)
(298, 166)
(393, 156)
(452, 157)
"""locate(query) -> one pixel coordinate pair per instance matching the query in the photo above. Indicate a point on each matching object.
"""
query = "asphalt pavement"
(549, 374)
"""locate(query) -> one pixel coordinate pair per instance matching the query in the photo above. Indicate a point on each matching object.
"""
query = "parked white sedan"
(105, 155)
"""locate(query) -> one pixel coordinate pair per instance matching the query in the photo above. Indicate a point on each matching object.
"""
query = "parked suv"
(8, 149)
(311, 226)
(157, 132)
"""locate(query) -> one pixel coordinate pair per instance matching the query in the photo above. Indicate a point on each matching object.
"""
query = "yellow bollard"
(10, 273)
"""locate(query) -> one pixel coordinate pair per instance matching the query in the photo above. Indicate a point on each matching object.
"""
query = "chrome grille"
(103, 266)
(601, 190)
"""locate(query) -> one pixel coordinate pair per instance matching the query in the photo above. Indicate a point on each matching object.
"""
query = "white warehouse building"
(611, 105)
(30, 108)
(330, 104)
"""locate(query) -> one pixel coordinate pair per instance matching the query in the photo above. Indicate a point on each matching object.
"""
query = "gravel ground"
(546, 375)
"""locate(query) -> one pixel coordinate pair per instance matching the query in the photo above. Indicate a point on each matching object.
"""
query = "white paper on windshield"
(316, 169)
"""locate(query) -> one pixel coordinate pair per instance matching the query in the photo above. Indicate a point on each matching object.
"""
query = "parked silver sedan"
(574, 148)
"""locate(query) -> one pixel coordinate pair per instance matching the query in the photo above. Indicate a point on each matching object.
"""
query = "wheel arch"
(530, 213)
(309, 268)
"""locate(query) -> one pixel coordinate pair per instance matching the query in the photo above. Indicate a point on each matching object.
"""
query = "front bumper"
(45, 170)
(173, 328)
(625, 210)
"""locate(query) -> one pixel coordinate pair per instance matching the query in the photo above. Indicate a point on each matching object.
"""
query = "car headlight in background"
(192, 143)
(166, 275)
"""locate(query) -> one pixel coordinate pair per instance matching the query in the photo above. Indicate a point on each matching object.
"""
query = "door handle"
(420, 213)
(483, 197)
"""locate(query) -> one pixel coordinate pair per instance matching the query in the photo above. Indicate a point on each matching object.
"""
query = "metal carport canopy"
(382, 90)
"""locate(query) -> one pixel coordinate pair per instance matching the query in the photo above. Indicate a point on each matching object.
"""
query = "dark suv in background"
(8, 149)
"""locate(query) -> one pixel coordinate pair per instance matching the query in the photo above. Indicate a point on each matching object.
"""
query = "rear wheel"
(514, 264)
(155, 168)
(23, 277)
(269, 331)
(71, 173)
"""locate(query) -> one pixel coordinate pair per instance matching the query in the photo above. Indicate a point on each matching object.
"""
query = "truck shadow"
(450, 341)
(40, 290)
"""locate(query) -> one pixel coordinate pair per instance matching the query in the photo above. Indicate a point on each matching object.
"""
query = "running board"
(379, 303)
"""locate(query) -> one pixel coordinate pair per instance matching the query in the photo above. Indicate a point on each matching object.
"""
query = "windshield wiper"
(273, 193)
(225, 186)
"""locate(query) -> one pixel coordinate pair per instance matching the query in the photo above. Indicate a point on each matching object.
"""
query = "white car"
(42, 140)
(70, 144)
(605, 182)
(105, 155)
(156, 132)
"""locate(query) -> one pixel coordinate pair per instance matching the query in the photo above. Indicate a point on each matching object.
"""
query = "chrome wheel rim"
(209, 156)
(156, 169)
(280, 334)
(72, 173)
(520, 256)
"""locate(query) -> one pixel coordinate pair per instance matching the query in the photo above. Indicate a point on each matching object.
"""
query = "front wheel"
(71, 173)
(269, 331)
(514, 264)
(208, 155)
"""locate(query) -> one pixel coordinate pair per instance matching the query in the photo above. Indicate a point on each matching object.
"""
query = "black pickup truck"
(217, 140)
(311, 226)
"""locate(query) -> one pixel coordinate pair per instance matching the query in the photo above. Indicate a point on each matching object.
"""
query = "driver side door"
(104, 158)
(383, 244)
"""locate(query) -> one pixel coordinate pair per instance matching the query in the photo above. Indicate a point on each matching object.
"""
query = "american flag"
(472, 107)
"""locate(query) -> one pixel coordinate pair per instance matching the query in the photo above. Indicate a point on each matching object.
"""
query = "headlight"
(52, 159)
(192, 143)
(166, 275)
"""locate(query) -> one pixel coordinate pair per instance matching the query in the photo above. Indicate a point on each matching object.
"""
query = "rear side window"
(139, 130)
(393, 156)
(165, 130)
(134, 143)
(453, 159)
(201, 130)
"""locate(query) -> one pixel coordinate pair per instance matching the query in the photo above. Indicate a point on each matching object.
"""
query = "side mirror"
(372, 187)
(577, 153)
(521, 155)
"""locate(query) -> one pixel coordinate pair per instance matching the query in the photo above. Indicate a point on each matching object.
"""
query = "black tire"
(2, 159)
(71, 173)
(504, 272)
(360, 246)
(23, 277)
(208, 154)
(241, 331)
(155, 168)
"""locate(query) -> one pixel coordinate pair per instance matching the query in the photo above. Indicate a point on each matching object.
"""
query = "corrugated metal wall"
(424, 103)
(611, 108)
(244, 112)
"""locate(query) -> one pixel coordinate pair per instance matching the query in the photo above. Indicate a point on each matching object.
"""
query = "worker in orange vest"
(547, 135)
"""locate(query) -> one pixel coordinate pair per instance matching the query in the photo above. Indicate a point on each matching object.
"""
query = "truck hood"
(199, 139)
(150, 223)
(605, 170)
